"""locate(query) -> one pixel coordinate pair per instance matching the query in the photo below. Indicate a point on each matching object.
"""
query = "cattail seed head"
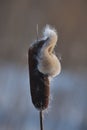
(43, 64)
(39, 83)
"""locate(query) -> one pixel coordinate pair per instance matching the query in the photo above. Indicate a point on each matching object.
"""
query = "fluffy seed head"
(43, 64)
(48, 63)
(51, 33)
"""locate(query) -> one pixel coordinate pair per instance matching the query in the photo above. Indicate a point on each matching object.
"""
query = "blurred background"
(68, 105)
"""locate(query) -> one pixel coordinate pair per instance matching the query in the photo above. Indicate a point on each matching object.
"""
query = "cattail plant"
(43, 65)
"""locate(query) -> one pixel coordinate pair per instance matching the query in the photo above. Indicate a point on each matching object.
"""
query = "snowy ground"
(68, 107)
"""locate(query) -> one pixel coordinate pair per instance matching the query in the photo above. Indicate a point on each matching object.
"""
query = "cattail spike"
(43, 64)
(37, 31)
(39, 83)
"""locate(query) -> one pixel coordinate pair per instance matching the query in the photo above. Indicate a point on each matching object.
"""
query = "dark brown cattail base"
(41, 120)
(39, 82)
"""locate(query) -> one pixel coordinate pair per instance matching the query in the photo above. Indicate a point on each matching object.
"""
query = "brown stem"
(41, 120)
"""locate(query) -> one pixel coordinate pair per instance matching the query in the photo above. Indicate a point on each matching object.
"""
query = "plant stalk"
(41, 120)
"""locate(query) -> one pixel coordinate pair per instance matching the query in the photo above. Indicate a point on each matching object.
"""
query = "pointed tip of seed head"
(50, 32)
